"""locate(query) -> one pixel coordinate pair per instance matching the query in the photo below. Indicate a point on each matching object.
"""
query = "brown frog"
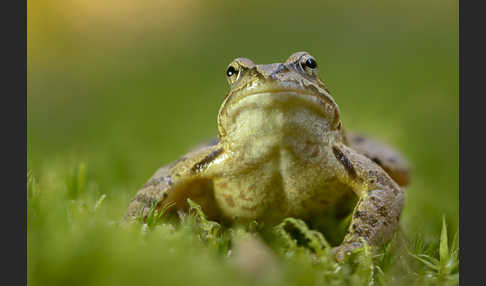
(282, 152)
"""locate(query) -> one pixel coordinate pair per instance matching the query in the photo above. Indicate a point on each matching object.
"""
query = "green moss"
(82, 242)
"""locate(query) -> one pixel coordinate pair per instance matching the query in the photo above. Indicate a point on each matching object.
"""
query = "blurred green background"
(127, 86)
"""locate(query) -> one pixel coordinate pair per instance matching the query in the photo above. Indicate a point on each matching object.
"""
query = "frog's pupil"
(231, 71)
(311, 63)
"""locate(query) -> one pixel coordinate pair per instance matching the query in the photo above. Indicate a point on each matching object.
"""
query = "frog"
(282, 151)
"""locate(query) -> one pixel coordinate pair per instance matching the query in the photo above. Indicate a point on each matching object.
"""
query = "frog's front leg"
(388, 158)
(171, 186)
(376, 216)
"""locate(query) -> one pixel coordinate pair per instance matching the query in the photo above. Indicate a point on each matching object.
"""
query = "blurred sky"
(142, 81)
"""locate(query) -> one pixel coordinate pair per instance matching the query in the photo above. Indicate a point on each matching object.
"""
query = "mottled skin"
(282, 152)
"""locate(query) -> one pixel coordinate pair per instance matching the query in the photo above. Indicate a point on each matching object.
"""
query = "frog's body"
(283, 153)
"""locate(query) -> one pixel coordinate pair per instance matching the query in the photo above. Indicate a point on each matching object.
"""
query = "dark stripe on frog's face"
(344, 161)
(201, 165)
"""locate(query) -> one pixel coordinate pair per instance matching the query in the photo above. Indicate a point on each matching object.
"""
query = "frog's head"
(275, 97)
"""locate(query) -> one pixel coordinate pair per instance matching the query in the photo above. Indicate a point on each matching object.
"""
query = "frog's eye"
(232, 73)
(308, 64)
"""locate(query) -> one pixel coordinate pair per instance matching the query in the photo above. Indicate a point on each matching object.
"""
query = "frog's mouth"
(277, 107)
(284, 99)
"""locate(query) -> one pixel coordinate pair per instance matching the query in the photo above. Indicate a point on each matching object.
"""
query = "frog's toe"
(345, 249)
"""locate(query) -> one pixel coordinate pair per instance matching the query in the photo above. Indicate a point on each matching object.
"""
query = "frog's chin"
(280, 99)
(277, 116)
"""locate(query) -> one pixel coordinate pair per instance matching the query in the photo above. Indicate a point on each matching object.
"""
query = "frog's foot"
(345, 248)
(382, 154)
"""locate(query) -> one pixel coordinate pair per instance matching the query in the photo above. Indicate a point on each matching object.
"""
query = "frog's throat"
(286, 99)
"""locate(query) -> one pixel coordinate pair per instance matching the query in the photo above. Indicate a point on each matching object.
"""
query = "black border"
(14, 120)
(471, 129)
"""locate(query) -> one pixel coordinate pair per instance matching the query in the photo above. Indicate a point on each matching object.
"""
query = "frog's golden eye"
(232, 73)
(308, 64)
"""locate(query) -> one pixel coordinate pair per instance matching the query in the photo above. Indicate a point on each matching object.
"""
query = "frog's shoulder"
(382, 154)
(173, 183)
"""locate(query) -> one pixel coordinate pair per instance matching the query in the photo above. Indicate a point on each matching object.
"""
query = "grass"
(80, 243)
(114, 93)
(445, 268)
